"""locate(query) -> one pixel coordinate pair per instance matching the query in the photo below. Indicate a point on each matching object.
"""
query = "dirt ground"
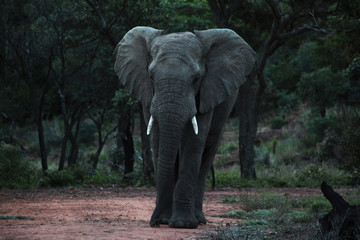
(106, 212)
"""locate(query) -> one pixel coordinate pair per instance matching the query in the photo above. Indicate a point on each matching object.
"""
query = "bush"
(350, 143)
(53, 131)
(319, 127)
(103, 175)
(277, 122)
(15, 170)
(69, 176)
(319, 206)
(87, 132)
(264, 201)
(227, 178)
(227, 148)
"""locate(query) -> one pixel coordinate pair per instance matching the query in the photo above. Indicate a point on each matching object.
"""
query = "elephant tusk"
(195, 125)
(151, 121)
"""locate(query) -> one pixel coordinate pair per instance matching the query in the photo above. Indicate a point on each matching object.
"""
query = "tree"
(24, 54)
(281, 21)
(322, 88)
(112, 20)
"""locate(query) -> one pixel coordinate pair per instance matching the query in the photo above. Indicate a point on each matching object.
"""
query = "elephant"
(187, 84)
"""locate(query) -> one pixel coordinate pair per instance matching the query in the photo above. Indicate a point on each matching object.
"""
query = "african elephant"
(187, 84)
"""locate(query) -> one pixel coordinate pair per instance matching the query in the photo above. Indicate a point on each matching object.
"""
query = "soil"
(107, 212)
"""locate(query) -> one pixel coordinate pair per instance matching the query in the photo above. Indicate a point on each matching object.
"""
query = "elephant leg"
(164, 202)
(220, 116)
(159, 216)
(183, 212)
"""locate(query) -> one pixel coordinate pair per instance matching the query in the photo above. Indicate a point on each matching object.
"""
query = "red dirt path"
(104, 213)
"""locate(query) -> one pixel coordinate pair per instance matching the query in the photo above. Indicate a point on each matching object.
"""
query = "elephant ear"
(132, 59)
(229, 59)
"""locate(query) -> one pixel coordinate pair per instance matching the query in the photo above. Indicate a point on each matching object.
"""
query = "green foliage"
(319, 126)
(70, 176)
(300, 217)
(87, 132)
(227, 148)
(264, 213)
(322, 88)
(53, 131)
(276, 214)
(277, 122)
(285, 176)
(319, 206)
(103, 175)
(15, 170)
(352, 94)
(230, 200)
(286, 101)
(123, 98)
(230, 178)
(263, 201)
(16, 217)
(48, 45)
(350, 143)
(185, 15)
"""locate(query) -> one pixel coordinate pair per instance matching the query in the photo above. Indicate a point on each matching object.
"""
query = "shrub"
(227, 178)
(53, 133)
(69, 176)
(277, 122)
(15, 170)
(264, 201)
(87, 132)
(227, 148)
(350, 143)
(319, 206)
(103, 175)
(319, 127)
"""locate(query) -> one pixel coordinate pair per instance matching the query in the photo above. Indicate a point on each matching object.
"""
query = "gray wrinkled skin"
(176, 77)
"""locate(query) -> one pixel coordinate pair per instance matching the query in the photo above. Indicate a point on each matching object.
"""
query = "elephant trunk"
(170, 134)
(172, 110)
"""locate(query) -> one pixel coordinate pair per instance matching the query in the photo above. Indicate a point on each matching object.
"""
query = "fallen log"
(343, 221)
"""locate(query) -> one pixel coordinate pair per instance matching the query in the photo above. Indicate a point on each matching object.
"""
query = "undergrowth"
(284, 176)
(270, 215)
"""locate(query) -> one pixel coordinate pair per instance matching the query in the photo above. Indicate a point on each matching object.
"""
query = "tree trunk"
(119, 153)
(66, 127)
(148, 166)
(95, 159)
(63, 151)
(247, 131)
(128, 144)
(74, 152)
(43, 153)
(125, 143)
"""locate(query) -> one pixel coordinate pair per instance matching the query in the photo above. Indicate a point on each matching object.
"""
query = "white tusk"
(195, 125)
(151, 121)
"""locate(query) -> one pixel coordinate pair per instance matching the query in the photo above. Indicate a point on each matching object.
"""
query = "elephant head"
(179, 76)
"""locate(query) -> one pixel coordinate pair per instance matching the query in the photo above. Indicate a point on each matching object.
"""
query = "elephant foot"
(183, 222)
(162, 218)
(200, 217)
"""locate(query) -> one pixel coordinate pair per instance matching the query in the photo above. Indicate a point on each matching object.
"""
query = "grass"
(287, 161)
(227, 148)
(309, 175)
(270, 215)
(16, 217)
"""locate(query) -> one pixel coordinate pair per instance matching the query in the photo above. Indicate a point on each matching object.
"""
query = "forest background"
(64, 120)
